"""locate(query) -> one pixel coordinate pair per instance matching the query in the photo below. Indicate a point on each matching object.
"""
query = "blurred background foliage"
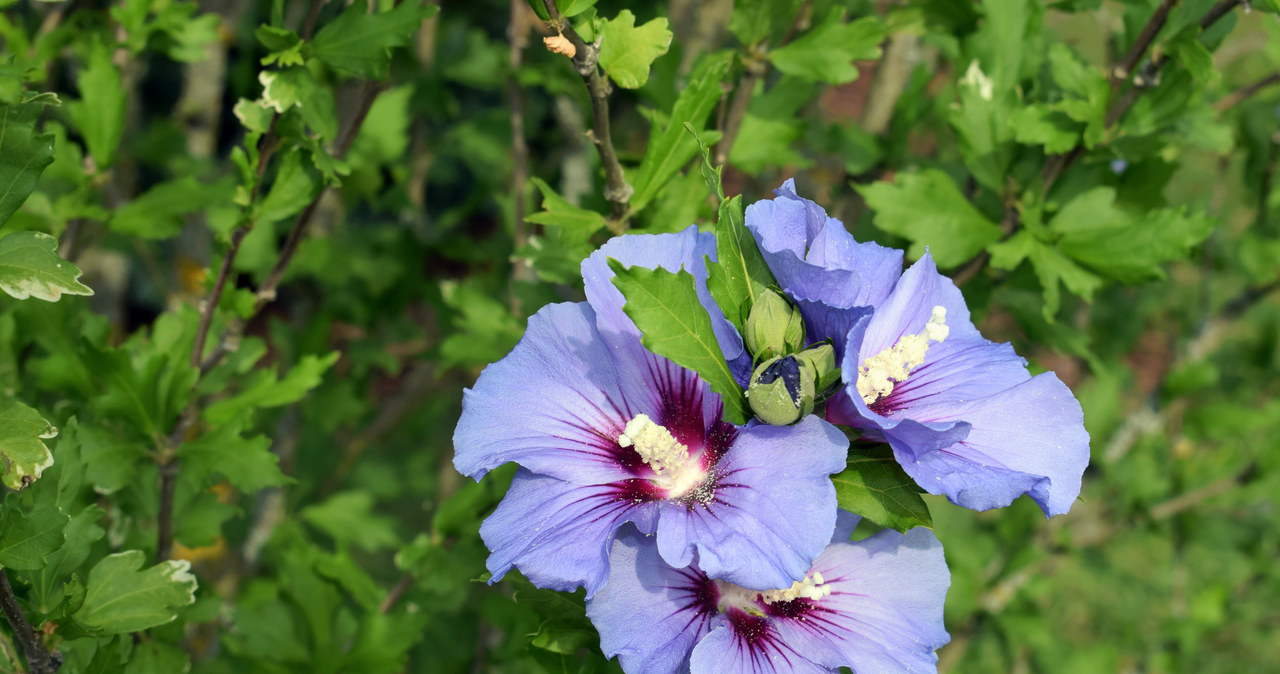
(1118, 226)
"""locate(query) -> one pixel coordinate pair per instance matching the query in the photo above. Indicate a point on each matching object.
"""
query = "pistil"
(878, 374)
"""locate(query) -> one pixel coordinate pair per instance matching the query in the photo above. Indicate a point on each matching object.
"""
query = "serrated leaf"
(671, 147)
(740, 273)
(120, 597)
(27, 538)
(711, 175)
(30, 267)
(24, 154)
(247, 463)
(757, 20)
(628, 50)
(927, 208)
(99, 114)
(157, 213)
(359, 42)
(875, 486)
(575, 224)
(1122, 245)
(81, 533)
(296, 184)
(1051, 267)
(264, 390)
(674, 324)
(827, 52)
(1036, 124)
(22, 432)
(348, 518)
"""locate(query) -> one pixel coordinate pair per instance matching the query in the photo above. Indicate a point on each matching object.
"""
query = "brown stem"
(309, 24)
(616, 190)
(1236, 97)
(1217, 12)
(737, 111)
(519, 149)
(1124, 70)
(39, 661)
(396, 594)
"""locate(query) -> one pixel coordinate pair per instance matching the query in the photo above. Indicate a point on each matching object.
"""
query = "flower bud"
(782, 391)
(773, 328)
(822, 359)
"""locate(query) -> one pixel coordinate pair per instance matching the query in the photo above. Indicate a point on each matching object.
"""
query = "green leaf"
(1126, 246)
(711, 175)
(740, 272)
(772, 124)
(1087, 89)
(348, 518)
(27, 538)
(671, 147)
(30, 267)
(24, 154)
(1037, 124)
(264, 390)
(927, 208)
(284, 44)
(121, 598)
(22, 432)
(570, 8)
(81, 533)
(485, 327)
(99, 114)
(756, 20)
(154, 657)
(827, 52)
(158, 213)
(627, 50)
(675, 325)
(576, 223)
(983, 130)
(1051, 267)
(296, 184)
(359, 42)
(875, 486)
(247, 463)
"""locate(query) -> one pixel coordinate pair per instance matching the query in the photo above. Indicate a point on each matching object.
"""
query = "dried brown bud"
(559, 44)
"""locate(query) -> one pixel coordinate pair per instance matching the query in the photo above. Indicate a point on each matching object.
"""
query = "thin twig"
(398, 592)
(39, 661)
(1236, 97)
(521, 270)
(1124, 70)
(1217, 12)
(586, 57)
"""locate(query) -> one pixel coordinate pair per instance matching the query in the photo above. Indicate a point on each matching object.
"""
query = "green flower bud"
(774, 328)
(781, 391)
(822, 359)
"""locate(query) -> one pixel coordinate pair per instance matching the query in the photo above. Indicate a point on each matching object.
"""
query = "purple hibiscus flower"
(874, 606)
(962, 414)
(606, 433)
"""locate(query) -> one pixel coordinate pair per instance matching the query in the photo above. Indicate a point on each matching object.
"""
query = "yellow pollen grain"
(878, 374)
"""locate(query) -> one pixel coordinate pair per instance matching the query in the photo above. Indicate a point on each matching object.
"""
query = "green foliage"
(666, 308)
(1121, 234)
(875, 486)
(627, 50)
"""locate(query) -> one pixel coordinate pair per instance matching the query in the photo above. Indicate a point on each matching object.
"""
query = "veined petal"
(673, 252)
(749, 645)
(774, 507)
(556, 404)
(649, 614)
(908, 308)
(1029, 439)
(884, 613)
(559, 534)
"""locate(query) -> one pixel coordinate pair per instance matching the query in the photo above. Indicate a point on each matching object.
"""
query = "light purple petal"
(846, 522)
(649, 614)
(814, 257)
(558, 534)
(885, 610)
(1029, 439)
(774, 508)
(683, 250)
(556, 404)
(908, 307)
(727, 649)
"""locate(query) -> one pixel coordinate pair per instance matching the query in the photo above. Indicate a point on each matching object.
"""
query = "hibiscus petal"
(649, 614)
(773, 512)
(726, 649)
(885, 610)
(1029, 439)
(909, 306)
(558, 534)
(556, 404)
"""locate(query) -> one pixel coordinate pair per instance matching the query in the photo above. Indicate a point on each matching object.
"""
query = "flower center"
(878, 374)
(673, 468)
(812, 587)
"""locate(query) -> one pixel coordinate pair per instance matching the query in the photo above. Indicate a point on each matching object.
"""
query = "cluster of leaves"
(306, 228)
